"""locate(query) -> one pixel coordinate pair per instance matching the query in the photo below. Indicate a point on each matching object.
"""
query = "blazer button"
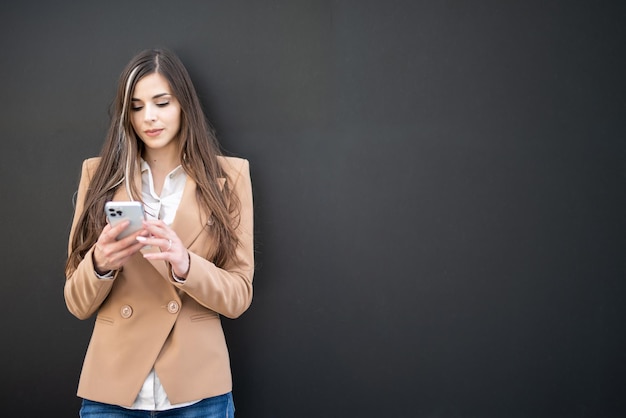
(126, 311)
(173, 307)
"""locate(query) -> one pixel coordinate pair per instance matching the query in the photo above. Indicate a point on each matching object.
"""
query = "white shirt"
(164, 206)
(152, 396)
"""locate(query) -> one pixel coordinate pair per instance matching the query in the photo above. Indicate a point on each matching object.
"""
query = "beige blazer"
(146, 319)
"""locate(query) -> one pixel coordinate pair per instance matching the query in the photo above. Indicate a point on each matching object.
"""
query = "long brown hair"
(122, 149)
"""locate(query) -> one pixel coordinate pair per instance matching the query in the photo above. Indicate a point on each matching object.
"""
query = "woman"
(157, 342)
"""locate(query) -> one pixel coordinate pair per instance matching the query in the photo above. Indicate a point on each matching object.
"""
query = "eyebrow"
(134, 99)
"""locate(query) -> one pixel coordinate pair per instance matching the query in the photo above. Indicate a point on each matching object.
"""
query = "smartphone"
(117, 212)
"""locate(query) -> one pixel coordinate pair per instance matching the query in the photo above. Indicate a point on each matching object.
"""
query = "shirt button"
(126, 311)
(173, 307)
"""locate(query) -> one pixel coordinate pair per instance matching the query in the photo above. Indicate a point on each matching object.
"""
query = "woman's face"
(155, 112)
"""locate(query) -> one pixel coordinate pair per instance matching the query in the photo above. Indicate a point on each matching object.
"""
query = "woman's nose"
(151, 113)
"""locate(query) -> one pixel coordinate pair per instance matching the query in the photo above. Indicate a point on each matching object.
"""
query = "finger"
(124, 255)
(166, 244)
(114, 231)
(109, 251)
(158, 228)
(109, 233)
(151, 240)
(131, 239)
(130, 250)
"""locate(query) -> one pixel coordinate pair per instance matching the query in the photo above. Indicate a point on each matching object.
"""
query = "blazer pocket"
(105, 320)
(204, 316)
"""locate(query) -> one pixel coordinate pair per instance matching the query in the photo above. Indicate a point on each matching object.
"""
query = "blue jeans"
(217, 407)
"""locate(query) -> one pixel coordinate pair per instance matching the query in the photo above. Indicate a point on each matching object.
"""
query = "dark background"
(439, 197)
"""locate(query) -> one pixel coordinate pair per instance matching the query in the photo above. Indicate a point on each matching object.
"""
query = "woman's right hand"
(111, 254)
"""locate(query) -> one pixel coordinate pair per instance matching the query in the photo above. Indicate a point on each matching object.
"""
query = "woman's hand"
(111, 254)
(172, 249)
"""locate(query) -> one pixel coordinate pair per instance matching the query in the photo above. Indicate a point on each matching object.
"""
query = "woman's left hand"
(172, 249)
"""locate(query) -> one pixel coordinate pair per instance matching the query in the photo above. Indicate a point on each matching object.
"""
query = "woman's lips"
(153, 132)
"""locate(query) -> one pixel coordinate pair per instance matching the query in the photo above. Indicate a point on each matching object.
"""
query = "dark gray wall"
(439, 189)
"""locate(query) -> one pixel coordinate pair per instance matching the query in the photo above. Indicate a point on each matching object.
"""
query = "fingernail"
(140, 238)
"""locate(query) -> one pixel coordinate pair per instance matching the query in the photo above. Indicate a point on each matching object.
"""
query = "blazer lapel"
(190, 220)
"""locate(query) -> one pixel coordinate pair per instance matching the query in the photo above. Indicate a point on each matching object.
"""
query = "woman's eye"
(163, 104)
(136, 108)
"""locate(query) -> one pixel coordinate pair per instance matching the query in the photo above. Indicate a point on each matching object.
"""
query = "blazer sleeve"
(83, 291)
(228, 290)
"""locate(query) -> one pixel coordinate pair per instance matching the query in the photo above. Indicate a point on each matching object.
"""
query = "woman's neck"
(161, 163)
